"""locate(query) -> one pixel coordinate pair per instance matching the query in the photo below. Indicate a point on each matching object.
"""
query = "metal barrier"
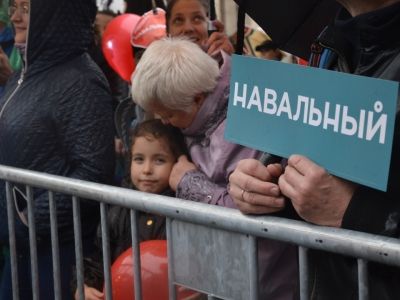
(232, 229)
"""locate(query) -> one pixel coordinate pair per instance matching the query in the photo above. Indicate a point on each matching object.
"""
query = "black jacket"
(56, 114)
(367, 45)
(151, 227)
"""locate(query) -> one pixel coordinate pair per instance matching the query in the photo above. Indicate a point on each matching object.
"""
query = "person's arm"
(195, 186)
(83, 123)
(375, 211)
(192, 184)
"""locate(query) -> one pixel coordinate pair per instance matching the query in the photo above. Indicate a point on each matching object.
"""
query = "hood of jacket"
(57, 31)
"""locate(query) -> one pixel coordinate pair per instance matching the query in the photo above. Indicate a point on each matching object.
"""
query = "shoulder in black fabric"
(58, 31)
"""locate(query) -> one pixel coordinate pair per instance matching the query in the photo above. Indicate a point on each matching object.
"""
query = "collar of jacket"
(366, 33)
(213, 110)
(58, 31)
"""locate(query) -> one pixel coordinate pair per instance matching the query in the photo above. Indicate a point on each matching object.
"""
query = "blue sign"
(342, 122)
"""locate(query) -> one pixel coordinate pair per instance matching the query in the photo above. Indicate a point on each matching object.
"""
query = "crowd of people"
(60, 104)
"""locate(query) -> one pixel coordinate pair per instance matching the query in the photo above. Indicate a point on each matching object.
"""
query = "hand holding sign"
(338, 120)
(252, 187)
(317, 196)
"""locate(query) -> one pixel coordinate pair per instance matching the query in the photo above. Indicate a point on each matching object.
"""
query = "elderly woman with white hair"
(184, 86)
(177, 81)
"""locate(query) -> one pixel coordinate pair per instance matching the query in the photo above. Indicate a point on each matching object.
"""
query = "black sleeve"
(376, 211)
(83, 121)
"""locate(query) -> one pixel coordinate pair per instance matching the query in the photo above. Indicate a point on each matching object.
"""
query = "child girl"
(154, 151)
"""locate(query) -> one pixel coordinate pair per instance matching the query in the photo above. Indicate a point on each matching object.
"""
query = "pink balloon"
(116, 44)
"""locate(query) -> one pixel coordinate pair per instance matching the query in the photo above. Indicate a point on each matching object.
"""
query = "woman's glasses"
(22, 9)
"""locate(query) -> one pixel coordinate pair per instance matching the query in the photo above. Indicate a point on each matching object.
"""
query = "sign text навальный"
(343, 122)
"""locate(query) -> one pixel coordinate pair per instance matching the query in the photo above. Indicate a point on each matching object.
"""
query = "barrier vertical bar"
(106, 250)
(12, 240)
(253, 263)
(55, 249)
(78, 246)
(32, 244)
(363, 287)
(304, 273)
(137, 280)
(171, 278)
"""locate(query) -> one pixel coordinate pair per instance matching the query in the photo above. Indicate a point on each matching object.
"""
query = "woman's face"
(19, 15)
(177, 118)
(189, 18)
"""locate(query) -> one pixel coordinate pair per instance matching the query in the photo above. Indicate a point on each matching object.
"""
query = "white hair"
(171, 72)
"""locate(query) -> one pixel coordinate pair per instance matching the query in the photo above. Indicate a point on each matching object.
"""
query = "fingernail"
(275, 191)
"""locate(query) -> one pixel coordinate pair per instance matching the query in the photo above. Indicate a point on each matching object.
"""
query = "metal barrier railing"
(365, 247)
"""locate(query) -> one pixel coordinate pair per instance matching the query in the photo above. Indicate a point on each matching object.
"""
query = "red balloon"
(116, 44)
(154, 270)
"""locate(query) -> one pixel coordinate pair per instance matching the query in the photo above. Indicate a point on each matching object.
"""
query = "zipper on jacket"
(19, 82)
(342, 63)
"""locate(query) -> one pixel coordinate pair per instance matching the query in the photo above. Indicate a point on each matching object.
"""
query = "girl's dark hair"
(155, 128)
(171, 4)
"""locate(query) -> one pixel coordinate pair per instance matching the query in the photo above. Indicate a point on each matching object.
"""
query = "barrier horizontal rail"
(352, 243)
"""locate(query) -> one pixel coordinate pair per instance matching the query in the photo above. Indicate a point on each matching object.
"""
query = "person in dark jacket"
(362, 41)
(55, 117)
(154, 151)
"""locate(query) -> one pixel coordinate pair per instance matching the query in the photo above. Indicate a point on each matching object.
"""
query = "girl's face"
(189, 18)
(152, 162)
(19, 16)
